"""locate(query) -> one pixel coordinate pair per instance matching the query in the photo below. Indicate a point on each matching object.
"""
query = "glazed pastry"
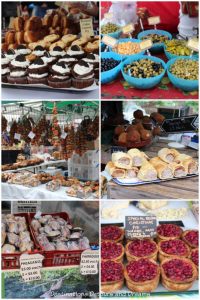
(141, 248)
(80, 42)
(112, 233)
(10, 37)
(112, 277)
(164, 171)
(178, 274)
(114, 171)
(51, 38)
(112, 251)
(142, 275)
(18, 24)
(69, 38)
(38, 72)
(147, 172)
(92, 47)
(168, 155)
(172, 248)
(138, 157)
(19, 37)
(178, 170)
(191, 238)
(76, 52)
(22, 49)
(122, 160)
(59, 44)
(31, 36)
(168, 232)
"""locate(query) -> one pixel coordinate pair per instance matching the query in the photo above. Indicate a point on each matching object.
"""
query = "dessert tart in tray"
(194, 256)
(112, 233)
(168, 232)
(142, 275)
(112, 276)
(178, 274)
(191, 237)
(141, 248)
(172, 248)
(112, 251)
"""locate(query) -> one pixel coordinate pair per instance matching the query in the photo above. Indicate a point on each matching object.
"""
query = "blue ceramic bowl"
(183, 84)
(142, 83)
(110, 75)
(170, 55)
(159, 46)
(128, 40)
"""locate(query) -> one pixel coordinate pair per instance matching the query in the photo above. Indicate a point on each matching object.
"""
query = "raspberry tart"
(178, 274)
(171, 248)
(112, 233)
(112, 251)
(141, 248)
(112, 276)
(191, 237)
(142, 275)
(168, 232)
(195, 258)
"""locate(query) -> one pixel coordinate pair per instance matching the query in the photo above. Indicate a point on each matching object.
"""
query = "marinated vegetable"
(109, 28)
(178, 47)
(185, 69)
(144, 68)
(156, 38)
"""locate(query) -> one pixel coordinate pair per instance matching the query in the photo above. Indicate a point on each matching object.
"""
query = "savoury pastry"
(147, 172)
(178, 170)
(164, 171)
(114, 171)
(69, 38)
(122, 160)
(132, 173)
(168, 155)
(138, 157)
(190, 165)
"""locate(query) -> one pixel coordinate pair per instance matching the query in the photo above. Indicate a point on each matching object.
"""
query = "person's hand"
(143, 13)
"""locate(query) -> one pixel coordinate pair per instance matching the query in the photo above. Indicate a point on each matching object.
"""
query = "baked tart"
(112, 251)
(112, 276)
(178, 274)
(142, 275)
(171, 248)
(191, 237)
(195, 258)
(168, 232)
(112, 233)
(141, 248)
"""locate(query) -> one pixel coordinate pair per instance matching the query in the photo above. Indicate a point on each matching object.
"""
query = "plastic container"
(158, 47)
(111, 75)
(143, 83)
(128, 40)
(12, 260)
(83, 172)
(183, 84)
(170, 55)
(91, 158)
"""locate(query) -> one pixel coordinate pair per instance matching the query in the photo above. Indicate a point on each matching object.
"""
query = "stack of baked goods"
(169, 259)
(136, 164)
(141, 132)
(22, 163)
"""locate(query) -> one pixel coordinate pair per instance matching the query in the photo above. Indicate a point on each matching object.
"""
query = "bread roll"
(56, 21)
(10, 37)
(47, 20)
(19, 37)
(18, 24)
(31, 36)
(33, 24)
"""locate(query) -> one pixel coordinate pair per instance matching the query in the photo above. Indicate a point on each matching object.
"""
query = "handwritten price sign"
(89, 262)
(30, 265)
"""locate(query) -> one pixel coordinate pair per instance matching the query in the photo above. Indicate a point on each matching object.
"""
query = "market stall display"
(51, 52)
(55, 155)
(150, 263)
(137, 78)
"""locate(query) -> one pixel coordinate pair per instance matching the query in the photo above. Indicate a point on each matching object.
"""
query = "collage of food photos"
(100, 150)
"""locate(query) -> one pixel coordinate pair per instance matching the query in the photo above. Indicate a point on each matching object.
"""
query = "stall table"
(173, 189)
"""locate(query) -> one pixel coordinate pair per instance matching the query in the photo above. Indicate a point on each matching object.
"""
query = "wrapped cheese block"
(147, 172)
(122, 160)
(168, 155)
(164, 171)
(114, 171)
(138, 157)
(178, 170)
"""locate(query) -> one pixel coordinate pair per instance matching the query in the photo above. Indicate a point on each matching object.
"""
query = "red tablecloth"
(120, 89)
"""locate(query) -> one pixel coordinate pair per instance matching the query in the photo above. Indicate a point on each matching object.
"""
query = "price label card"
(108, 15)
(140, 226)
(109, 41)
(193, 44)
(63, 135)
(89, 262)
(86, 27)
(31, 135)
(30, 266)
(17, 136)
(154, 20)
(146, 44)
(128, 28)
